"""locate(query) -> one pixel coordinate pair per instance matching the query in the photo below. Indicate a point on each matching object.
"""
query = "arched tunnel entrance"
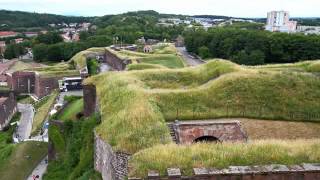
(209, 139)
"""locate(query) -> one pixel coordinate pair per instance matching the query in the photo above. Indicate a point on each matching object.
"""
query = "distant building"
(279, 21)
(179, 41)
(31, 34)
(309, 29)
(18, 41)
(6, 34)
(147, 49)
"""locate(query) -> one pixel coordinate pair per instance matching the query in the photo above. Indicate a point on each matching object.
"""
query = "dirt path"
(190, 60)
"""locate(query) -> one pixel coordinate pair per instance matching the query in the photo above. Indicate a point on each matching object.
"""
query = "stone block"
(152, 174)
(173, 173)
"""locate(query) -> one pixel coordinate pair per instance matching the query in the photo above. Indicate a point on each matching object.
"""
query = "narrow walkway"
(190, 60)
(39, 170)
(25, 123)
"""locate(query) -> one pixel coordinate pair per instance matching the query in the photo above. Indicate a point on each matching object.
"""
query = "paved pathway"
(69, 93)
(40, 169)
(25, 123)
(190, 60)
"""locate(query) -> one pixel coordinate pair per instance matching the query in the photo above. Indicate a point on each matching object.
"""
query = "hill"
(19, 19)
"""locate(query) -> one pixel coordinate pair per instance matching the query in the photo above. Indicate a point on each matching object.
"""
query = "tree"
(55, 53)
(40, 52)
(49, 38)
(204, 52)
(13, 51)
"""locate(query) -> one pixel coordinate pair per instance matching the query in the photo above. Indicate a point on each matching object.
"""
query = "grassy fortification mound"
(163, 56)
(135, 105)
(224, 155)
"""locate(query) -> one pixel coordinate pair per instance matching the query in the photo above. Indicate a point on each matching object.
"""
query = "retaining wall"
(268, 172)
(112, 165)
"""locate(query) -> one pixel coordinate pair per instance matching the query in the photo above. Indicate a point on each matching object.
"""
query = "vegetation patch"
(22, 160)
(71, 111)
(142, 66)
(222, 155)
(74, 145)
(42, 109)
(23, 157)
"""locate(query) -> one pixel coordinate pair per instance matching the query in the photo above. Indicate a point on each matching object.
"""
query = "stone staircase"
(172, 132)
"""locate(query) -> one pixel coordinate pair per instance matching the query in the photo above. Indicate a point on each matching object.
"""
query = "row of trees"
(66, 50)
(252, 47)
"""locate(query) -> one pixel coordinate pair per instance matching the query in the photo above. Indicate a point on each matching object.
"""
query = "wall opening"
(210, 139)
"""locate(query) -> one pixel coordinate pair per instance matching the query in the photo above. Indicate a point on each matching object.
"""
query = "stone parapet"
(275, 171)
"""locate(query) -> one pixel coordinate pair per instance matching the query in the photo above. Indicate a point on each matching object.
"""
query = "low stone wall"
(115, 62)
(112, 165)
(269, 172)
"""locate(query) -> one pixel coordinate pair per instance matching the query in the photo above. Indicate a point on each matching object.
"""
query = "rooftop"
(3, 99)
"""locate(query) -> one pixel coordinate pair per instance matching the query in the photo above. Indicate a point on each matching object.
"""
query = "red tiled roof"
(7, 33)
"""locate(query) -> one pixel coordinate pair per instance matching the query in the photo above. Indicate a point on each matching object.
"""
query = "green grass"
(135, 105)
(22, 159)
(223, 155)
(74, 146)
(25, 99)
(42, 110)
(71, 111)
(143, 66)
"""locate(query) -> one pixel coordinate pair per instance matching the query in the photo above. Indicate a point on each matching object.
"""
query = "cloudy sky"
(239, 8)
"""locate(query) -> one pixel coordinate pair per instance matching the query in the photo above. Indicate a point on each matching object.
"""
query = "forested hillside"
(18, 19)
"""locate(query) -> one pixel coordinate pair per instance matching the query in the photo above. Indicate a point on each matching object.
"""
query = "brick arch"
(206, 139)
(186, 132)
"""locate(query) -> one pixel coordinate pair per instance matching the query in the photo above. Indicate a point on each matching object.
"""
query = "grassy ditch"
(223, 155)
(72, 110)
(42, 109)
(74, 146)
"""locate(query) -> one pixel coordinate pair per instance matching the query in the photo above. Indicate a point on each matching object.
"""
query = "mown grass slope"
(24, 157)
(136, 105)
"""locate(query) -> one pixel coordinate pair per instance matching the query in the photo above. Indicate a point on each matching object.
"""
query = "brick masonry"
(112, 165)
(267, 172)
(21, 82)
(115, 62)
(188, 131)
(90, 100)
(8, 106)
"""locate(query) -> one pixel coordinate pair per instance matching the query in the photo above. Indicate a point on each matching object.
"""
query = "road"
(190, 60)
(25, 123)
(40, 169)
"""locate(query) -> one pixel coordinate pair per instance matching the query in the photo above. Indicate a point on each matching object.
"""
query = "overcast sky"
(238, 8)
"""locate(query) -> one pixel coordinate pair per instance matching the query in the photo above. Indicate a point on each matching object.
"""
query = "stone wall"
(268, 172)
(45, 85)
(188, 131)
(21, 82)
(8, 106)
(90, 100)
(112, 165)
(115, 62)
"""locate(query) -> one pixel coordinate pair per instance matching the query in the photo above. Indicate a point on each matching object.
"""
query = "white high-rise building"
(279, 21)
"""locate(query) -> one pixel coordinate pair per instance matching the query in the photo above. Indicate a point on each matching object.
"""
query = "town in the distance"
(145, 95)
